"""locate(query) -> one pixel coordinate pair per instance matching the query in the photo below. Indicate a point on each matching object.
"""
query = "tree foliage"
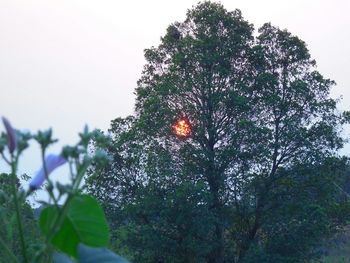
(258, 176)
(9, 227)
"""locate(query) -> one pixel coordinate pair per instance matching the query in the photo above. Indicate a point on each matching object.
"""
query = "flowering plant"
(72, 224)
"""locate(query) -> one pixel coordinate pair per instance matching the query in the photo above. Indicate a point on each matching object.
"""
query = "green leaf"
(84, 222)
(101, 255)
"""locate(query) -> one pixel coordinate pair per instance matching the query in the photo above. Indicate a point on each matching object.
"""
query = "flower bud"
(11, 135)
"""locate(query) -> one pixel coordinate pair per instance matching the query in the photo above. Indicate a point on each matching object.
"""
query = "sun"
(182, 128)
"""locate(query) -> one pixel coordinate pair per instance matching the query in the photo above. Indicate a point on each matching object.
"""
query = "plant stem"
(60, 218)
(8, 251)
(5, 159)
(50, 188)
(18, 213)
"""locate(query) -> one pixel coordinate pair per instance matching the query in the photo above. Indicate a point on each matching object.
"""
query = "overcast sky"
(66, 63)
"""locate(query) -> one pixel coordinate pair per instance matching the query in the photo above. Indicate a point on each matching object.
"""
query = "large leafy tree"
(262, 128)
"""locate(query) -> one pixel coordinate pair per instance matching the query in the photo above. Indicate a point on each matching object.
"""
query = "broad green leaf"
(102, 255)
(85, 223)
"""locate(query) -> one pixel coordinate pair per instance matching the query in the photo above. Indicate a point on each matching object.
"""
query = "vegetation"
(72, 224)
(231, 156)
(257, 179)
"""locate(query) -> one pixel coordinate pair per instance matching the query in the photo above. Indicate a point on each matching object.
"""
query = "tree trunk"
(217, 253)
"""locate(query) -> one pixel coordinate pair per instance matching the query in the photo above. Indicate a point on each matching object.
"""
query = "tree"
(9, 231)
(260, 116)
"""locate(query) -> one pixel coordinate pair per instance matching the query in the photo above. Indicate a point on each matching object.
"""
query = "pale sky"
(67, 63)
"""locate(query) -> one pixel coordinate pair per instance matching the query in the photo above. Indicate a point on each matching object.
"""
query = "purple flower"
(11, 135)
(52, 161)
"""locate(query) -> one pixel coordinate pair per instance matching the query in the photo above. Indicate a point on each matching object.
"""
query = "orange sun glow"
(182, 128)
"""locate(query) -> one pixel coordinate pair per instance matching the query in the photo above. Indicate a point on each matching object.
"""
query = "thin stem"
(50, 189)
(80, 176)
(52, 196)
(4, 157)
(71, 170)
(60, 218)
(8, 251)
(18, 213)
